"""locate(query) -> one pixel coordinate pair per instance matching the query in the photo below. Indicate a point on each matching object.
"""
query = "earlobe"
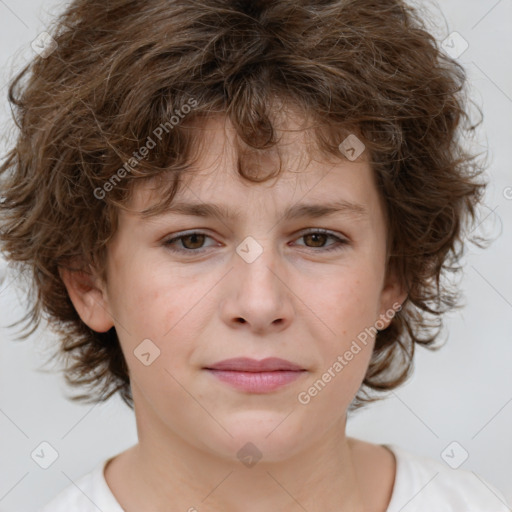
(88, 298)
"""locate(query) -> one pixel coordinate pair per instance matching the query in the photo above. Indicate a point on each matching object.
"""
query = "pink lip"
(245, 364)
(256, 376)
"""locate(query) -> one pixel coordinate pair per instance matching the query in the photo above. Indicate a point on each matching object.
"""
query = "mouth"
(255, 376)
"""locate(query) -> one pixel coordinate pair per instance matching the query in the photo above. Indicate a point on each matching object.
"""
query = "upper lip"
(245, 364)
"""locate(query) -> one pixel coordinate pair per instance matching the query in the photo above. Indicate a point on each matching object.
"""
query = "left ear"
(393, 295)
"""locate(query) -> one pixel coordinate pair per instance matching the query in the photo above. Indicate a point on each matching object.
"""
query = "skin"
(297, 302)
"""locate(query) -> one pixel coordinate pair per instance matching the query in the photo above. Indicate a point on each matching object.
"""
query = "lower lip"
(257, 382)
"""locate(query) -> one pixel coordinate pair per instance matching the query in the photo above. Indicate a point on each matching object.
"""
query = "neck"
(165, 470)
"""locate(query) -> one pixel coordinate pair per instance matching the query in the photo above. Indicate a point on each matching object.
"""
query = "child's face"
(298, 301)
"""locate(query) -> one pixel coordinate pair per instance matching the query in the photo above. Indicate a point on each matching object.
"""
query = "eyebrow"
(298, 211)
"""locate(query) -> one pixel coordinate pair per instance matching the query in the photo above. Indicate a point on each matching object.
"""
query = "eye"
(193, 242)
(319, 236)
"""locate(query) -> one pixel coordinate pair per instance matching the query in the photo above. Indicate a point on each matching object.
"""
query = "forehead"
(305, 177)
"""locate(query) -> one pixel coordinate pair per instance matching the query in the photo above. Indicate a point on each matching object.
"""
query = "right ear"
(89, 297)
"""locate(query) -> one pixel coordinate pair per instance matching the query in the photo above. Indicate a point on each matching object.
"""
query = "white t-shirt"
(421, 485)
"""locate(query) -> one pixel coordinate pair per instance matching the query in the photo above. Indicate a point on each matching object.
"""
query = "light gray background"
(462, 393)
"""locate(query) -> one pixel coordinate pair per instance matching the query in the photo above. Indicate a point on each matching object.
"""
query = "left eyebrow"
(298, 211)
(314, 211)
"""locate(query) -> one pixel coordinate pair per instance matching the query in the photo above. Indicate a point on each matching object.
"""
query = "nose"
(259, 298)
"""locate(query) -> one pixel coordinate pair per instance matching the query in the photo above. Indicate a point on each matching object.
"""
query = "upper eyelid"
(303, 232)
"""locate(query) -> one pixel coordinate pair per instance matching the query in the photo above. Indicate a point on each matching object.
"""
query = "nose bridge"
(259, 297)
(257, 260)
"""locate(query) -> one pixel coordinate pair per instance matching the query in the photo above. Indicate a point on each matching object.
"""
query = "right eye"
(191, 241)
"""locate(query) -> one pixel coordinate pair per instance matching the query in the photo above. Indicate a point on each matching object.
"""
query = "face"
(255, 283)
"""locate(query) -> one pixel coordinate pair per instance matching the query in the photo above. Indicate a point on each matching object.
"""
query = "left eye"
(193, 241)
(319, 236)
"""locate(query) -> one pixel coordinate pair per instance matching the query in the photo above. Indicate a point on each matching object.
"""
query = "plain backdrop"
(461, 393)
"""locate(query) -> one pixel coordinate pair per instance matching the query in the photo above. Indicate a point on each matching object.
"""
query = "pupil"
(194, 236)
(315, 237)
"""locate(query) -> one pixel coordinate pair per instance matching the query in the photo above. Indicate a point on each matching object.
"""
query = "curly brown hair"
(122, 68)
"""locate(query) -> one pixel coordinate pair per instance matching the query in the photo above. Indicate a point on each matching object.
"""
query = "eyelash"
(341, 242)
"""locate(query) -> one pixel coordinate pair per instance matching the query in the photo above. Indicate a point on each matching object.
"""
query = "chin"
(258, 436)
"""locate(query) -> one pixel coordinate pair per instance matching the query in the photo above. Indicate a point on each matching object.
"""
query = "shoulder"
(422, 483)
(76, 496)
(89, 493)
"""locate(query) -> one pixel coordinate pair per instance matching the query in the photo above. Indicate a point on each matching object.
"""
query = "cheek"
(349, 306)
(157, 306)
(159, 339)
(151, 300)
(350, 298)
